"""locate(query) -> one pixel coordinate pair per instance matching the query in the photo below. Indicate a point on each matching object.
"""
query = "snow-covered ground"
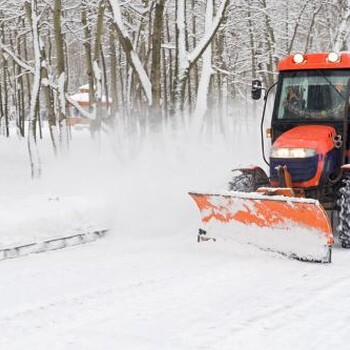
(148, 284)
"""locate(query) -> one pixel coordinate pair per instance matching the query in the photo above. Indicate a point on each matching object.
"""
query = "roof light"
(298, 58)
(333, 57)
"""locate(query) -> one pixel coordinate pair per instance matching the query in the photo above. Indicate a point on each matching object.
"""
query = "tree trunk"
(343, 29)
(207, 70)
(156, 63)
(113, 65)
(88, 56)
(132, 57)
(49, 105)
(270, 46)
(5, 74)
(61, 75)
(97, 74)
(184, 60)
(35, 162)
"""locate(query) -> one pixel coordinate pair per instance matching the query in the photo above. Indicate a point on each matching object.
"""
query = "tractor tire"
(343, 202)
(242, 183)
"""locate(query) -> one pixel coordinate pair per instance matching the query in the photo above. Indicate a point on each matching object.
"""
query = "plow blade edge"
(295, 227)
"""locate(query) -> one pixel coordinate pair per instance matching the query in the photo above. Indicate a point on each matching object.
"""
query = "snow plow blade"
(294, 227)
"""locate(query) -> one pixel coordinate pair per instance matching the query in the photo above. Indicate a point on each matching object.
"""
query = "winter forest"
(146, 63)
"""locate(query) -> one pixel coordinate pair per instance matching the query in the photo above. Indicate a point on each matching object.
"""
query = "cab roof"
(315, 61)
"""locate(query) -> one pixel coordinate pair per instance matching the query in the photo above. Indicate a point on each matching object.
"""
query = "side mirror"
(256, 89)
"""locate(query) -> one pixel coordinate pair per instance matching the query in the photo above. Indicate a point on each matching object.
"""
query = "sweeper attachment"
(305, 199)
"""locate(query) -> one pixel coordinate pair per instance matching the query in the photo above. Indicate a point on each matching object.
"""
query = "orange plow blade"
(296, 227)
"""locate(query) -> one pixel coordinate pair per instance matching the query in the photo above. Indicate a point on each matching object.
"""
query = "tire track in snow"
(285, 326)
(58, 316)
(98, 303)
(242, 314)
(193, 308)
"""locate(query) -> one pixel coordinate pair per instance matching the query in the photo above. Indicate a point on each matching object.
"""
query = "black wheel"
(344, 213)
(242, 183)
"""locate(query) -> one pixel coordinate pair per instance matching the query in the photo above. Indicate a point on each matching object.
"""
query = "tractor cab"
(310, 97)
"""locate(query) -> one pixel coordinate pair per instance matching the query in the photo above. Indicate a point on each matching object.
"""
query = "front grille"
(301, 169)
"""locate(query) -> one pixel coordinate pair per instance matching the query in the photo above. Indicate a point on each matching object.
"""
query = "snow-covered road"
(172, 293)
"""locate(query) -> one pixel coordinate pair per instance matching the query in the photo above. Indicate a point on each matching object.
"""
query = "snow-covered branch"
(210, 30)
(17, 59)
(207, 70)
(127, 45)
(343, 30)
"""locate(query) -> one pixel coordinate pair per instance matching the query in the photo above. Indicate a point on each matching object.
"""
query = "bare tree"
(61, 73)
(33, 17)
(132, 57)
(343, 30)
(157, 30)
(185, 61)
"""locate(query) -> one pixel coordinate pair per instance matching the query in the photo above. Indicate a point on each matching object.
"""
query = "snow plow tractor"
(304, 201)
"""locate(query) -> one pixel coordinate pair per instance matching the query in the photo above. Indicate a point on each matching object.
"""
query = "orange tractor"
(305, 199)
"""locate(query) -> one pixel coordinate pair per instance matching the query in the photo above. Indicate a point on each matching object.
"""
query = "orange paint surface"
(263, 212)
(314, 61)
(318, 137)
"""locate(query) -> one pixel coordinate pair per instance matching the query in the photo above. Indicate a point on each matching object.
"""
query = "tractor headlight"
(292, 152)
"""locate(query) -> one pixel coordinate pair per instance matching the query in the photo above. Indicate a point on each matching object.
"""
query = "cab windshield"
(312, 95)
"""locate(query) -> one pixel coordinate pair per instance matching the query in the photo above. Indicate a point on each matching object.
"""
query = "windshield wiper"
(331, 84)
